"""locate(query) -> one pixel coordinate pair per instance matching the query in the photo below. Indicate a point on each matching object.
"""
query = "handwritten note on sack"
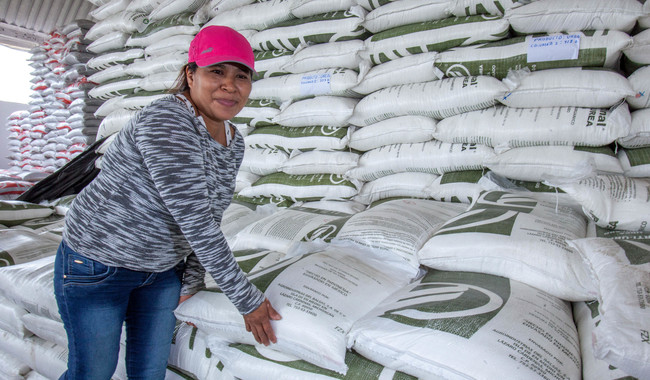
(316, 84)
(556, 47)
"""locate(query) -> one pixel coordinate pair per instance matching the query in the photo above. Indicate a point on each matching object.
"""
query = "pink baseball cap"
(215, 44)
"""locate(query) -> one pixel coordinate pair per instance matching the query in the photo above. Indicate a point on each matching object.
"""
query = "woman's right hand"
(259, 323)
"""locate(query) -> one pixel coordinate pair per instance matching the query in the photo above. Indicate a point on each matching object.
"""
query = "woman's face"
(219, 91)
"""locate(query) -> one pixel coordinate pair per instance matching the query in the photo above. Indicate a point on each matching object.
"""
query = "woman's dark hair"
(181, 85)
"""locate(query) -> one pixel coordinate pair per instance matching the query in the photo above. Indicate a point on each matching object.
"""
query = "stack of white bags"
(59, 123)
(431, 189)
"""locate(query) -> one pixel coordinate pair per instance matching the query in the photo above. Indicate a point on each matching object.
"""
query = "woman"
(139, 238)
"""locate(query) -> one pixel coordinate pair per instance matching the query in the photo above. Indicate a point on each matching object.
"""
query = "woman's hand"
(184, 298)
(259, 323)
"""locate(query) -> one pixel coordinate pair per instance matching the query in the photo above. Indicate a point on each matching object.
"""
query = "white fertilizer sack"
(410, 69)
(317, 161)
(239, 215)
(253, 260)
(157, 64)
(12, 367)
(506, 127)
(549, 163)
(30, 285)
(190, 353)
(182, 23)
(318, 296)
(637, 55)
(10, 318)
(172, 44)
(333, 111)
(269, 63)
(319, 29)
(551, 16)
(602, 48)
(392, 231)
(263, 161)
(574, 86)
(460, 186)
(306, 187)
(22, 246)
(434, 35)
(256, 16)
(433, 157)
(398, 13)
(587, 318)
(408, 185)
(248, 362)
(332, 81)
(162, 81)
(613, 201)
(280, 230)
(639, 135)
(344, 206)
(257, 113)
(462, 8)
(289, 139)
(244, 179)
(307, 8)
(48, 329)
(168, 8)
(42, 356)
(460, 325)
(112, 72)
(521, 236)
(13, 212)
(114, 58)
(396, 130)
(111, 41)
(622, 270)
(635, 162)
(343, 54)
(437, 99)
(640, 81)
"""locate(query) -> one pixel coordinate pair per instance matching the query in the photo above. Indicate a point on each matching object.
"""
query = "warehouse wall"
(6, 109)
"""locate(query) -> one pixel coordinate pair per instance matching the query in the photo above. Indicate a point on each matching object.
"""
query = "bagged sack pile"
(451, 189)
(59, 123)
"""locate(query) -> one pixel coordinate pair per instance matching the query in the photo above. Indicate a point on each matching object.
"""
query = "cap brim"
(216, 61)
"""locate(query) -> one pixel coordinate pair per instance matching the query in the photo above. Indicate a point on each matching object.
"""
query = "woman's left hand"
(184, 298)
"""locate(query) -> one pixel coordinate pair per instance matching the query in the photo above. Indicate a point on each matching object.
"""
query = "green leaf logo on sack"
(458, 303)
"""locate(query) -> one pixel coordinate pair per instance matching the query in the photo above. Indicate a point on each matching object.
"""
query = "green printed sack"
(402, 185)
(596, 49)
(462, 8)
(328, 27)
(587, 318)
(333, 81)
(434, 157)
(504, 127)
(22, 246)
(462, 325)
(259, 362)
(436, 35)
(270, 63)
(521, 236)
(319, 297)
(621, 268)
(554, 163)
(257, 113)
(393, 231)
(190, 354)
(436, 99)
(14, 212)
(281, 230)
(288, 139)
(305, 187)
(639, 136)
(612, 201)
(182, 23)
(635, 162)
(457, 186)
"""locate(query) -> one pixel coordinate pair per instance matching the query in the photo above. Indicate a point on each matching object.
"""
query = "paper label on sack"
(315, 84)
(557, 47)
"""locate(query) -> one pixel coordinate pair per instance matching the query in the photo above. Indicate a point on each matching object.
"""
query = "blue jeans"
(94, 302)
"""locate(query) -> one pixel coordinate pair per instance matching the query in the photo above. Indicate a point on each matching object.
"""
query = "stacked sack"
(140, 48)
(60, 122)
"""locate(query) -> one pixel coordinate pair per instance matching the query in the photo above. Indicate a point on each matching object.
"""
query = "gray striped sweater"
(159, 198)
